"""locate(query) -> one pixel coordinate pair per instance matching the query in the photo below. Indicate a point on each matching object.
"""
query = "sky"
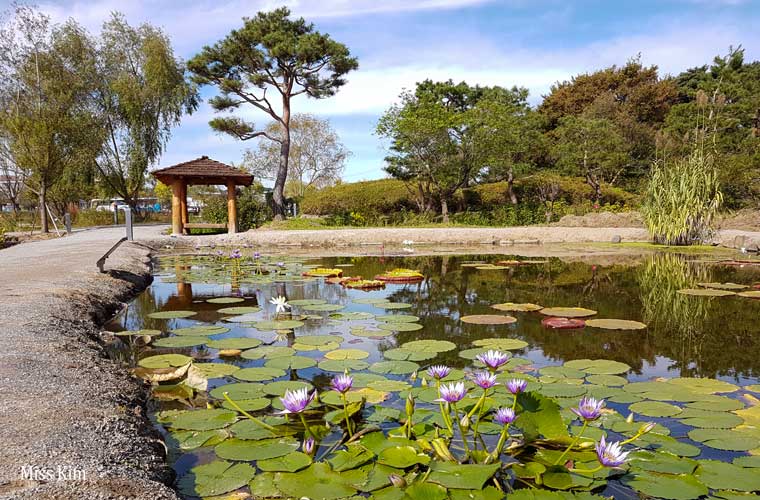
(528, 43)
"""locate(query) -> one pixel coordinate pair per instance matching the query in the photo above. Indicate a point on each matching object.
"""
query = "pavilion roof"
(203, 170)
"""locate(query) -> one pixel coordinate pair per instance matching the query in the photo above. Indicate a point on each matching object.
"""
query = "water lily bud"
(308, 446)
(464, 422)
(646, 428)
(630, 418)
(397, 481)
(587, 444)
(409, 405)
(424, 382)
(413, 376)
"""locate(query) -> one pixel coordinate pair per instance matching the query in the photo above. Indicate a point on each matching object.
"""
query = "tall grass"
(684, 195)
(682, 199)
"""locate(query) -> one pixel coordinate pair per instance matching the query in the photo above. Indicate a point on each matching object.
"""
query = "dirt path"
(67, 410)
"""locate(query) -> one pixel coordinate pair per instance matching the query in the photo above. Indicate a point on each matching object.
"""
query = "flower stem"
(480, 414)
(478, 405)
(461, 431)
(444, 414)
(514, 402)
(587, 471)
(238, 408)
(306, 426)
(499, 445)
(575, 441)
(345, 412)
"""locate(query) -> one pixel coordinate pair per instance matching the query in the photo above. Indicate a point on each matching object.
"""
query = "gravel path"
(64, 403)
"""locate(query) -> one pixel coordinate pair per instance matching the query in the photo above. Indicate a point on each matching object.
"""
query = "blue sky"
(531, 43)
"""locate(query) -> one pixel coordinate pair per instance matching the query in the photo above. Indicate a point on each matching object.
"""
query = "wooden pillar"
(177, 225)
(231, 208)
(183, 204)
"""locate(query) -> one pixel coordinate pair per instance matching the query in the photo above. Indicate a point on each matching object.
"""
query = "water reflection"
(695, 336)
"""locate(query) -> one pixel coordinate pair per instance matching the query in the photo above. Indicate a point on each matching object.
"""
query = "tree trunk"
(278, 196)
(445, 210)
(43, 207)
(511, 187)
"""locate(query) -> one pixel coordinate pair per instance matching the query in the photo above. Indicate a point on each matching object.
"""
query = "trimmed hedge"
(378, 197)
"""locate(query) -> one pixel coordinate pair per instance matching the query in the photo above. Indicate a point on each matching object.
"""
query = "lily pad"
(291, 363)
(138, 333)
(341, 365)
(200, 330)
(165, 361)
(234, 343)
(258, 374)
(559, 323)
(239, 310)
(501, 344)
(752, 294)
(237, 391)
(216, 370)
(307, 302)
(215, 478)
(615, 324)
(725, 439)
(402, 457)
(461, 476)
(429, 345)
(172, 314)
(341, 354)
(705, 292)
(246, 450)
(488, 319)
(287, 324)
(291, 462)
(180, 341)
(599, 366)
(225, 300)
(567, 312)
(704, 385)
(397, 326)
(513, 307)
(394, 367)
(670, 486)
(316, 481)
(722, 475)
(392, 305)
(655, 409)
(268, 352)
(323, 307)
(723, 286)
(397, 318)
(204, 420)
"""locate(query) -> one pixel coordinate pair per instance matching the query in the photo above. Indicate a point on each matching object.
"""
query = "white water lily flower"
(281, 304)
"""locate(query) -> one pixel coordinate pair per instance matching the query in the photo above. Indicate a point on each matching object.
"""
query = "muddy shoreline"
(74, 423)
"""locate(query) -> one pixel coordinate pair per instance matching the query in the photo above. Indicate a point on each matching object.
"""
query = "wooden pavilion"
(207, 172)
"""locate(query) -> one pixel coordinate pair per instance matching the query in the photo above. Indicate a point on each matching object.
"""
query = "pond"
(686, 357)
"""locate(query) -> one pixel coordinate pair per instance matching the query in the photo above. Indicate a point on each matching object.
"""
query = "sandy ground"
(64, 403)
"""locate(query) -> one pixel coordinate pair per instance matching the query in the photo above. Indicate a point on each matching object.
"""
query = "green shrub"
(252, 209)
(368, 198)
(91, 217)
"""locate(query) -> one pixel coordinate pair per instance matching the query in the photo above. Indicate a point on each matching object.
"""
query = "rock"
(617, 239)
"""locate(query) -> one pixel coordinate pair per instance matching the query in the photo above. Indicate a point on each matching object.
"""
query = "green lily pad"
(722, 475)
(370, 300)
(234, 343)
(392, 305)
(225, 300)
(268, 352)
(180, 341)
(615, 324)
(341, 365)
(364, 332)
(280, 387)
(316, 481)
(714, 421)
(201, 330)
(567, 312)
(238, 390)
(394, 367)
(204, 420)
(607, 380)
(291, 462)
(401, 354)
(247, 450)
(165, 361)
(488, 319)
(258, 374)
(171, 314)
(402, 457)
(255, 404)
(670, 486)
(352, 457)
(215, 478)
(752, 294)
(501, 344)
(138, 333)
(461, 476)
(512, 307)
(341, 354)
(397, 326)
(389, 385)
(599, 366)
(427, 345)
(287, 324)
(291, 363)
(398, 318)
(704, 385)
(705, 292)
(216, 370)
(748, 461)
(725, 439)
(655, 409)
(239, 310)
(723, 286)
(351, 316)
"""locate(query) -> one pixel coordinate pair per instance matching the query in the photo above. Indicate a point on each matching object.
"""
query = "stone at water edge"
(617, 239)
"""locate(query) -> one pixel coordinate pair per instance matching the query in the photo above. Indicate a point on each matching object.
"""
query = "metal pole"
(128, 223)
(67, 221)
(116, 216)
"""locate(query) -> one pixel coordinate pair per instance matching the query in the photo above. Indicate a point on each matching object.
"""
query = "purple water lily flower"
(517, 385)
(236, 254)
(610, 454)
(342, 383)
(296, 401)
(219, 253)
(308, 446)
(256, 255)
(439, 371)
(451, 393)
(505, 416)
(485, 380)
(589, 408)
(493, 359)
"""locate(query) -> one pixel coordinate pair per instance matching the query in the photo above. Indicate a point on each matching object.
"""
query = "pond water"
(651, 370)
